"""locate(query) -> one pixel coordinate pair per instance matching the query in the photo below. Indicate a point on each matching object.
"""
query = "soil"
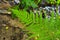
(11, 29)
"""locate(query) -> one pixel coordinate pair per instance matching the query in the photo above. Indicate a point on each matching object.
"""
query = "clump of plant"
(28, 3)
(58, 2)
(41, 29)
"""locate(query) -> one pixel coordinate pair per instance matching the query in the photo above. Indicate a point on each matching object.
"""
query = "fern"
(43, 29)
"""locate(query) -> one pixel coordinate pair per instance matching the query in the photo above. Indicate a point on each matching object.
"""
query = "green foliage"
(34, 3)
(29, 3)
(58, 2)
(51, 1)
(42, 29)
(37, 1)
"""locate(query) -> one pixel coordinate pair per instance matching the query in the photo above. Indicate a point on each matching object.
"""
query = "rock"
(4, 24)
(16, 1)
(5, 12)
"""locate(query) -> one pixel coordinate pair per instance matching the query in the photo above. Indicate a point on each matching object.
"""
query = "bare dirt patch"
(11, 29)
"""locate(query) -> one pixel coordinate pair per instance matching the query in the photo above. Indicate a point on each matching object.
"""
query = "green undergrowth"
(41, 29)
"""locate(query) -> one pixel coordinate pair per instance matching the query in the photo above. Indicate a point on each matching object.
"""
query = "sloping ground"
(11, 29)
(9, 21)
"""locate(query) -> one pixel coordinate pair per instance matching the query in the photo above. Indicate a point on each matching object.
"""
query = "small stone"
(16, 1)
(9, 12)
(7, 28)
(16, 26)
(3, 24)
